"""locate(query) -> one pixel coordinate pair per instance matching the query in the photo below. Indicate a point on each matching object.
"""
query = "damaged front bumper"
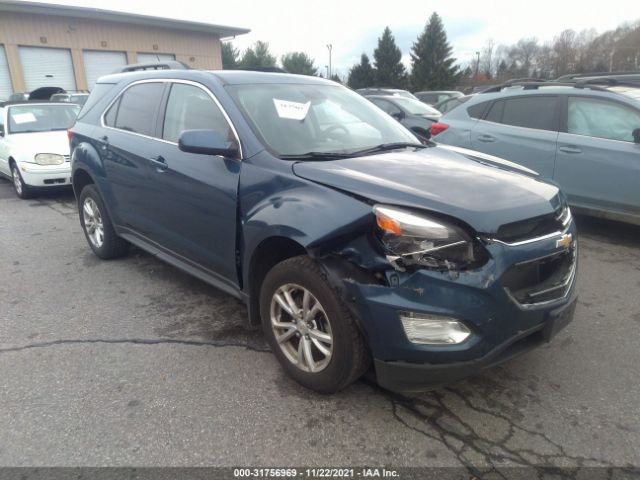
(505, 314)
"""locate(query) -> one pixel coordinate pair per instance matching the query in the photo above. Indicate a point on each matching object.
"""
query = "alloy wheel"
(301, 328)
(17, 181)
(93, 222)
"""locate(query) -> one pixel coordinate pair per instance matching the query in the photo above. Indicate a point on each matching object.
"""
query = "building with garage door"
(70, 47)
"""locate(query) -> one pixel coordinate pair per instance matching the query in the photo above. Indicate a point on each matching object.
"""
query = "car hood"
(485, 196)
(41, 142)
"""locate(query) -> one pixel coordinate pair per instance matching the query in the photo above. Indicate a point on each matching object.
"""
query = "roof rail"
(167, 65)
(572, 76)
(535, 85)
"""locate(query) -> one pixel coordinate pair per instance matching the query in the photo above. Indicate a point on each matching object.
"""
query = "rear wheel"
(22, 189)
(97, 226)
(310, 330)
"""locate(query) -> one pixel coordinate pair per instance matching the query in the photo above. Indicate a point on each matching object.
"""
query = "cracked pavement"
(133, 363)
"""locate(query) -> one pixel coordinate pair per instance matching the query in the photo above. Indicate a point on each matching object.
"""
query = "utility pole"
(329, 47)
(477, 64)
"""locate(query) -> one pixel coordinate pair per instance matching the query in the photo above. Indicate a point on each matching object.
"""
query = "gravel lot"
(131, 362)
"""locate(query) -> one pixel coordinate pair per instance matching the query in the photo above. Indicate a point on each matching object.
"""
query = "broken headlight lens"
(410, 239)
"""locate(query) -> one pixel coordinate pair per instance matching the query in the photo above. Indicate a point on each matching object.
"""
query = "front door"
(598, 164)
(196, 195)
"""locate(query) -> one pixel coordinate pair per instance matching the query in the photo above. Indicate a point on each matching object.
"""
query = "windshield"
(298, 119)
(41, 118)
(416, 107)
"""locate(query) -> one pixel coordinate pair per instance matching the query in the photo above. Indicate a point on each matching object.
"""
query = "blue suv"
(582, 133)
(352, 243)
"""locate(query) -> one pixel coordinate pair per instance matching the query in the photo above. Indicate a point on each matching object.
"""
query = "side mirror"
(398, 115)
(207, 142)
(636, 135)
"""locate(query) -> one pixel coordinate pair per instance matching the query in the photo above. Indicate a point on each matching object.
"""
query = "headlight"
(411, 239)
(49, 159)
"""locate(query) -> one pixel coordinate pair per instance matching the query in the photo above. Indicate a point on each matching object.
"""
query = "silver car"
(584, 135)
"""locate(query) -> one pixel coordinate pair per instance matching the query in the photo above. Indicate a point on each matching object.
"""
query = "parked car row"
(34, 147)
(583, 134)
(353, 243)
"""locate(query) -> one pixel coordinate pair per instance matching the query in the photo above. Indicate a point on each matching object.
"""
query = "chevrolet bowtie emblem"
(564, 241)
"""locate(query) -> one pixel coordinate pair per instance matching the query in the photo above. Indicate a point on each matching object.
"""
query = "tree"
(230, 56)
(258, 56)
(298, 62)
(390, 72)
(336, 78)
(433, 65)
(362, 74)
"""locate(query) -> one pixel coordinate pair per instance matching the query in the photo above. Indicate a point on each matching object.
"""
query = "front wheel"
(310, 330)
(22, 189)
(97, 226)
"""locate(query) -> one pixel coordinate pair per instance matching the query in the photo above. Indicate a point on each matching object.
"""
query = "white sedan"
(34, 146)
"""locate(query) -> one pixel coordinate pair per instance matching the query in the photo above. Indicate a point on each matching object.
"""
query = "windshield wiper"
(317, 156)
(383, 147)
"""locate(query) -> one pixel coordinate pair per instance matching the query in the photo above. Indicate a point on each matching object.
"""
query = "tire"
(348, 356)
(97, 226)
(22, 190)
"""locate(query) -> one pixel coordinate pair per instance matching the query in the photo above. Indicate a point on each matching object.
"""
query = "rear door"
(521, 129)
(195, 195)
(126, 143)
(598, 165)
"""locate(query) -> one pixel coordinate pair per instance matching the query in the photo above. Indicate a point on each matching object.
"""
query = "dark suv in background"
(348, 239)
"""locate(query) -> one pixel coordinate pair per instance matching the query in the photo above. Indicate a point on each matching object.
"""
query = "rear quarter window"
(477, 110)
(97, 94)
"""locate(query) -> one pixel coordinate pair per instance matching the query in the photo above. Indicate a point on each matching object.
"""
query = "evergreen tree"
(229, 56)
(258, 56)
(298, 62)
(362, 74)
(390, 72)
(433, 65)
(503, 70)
(336, 78)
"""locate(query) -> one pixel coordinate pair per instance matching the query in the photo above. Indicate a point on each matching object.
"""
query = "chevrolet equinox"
(355, 245)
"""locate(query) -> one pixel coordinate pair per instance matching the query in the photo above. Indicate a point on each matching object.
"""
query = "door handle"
(570, 149)
(159, 162)
(486, 138)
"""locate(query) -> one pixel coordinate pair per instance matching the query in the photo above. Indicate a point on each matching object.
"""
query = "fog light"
(433, 329)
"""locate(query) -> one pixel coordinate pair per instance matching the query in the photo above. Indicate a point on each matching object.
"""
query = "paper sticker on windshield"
(26, 117)
(291, 110)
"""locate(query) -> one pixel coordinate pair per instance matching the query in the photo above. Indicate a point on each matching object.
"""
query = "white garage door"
(155, 57)
(5, 78)
(47, 67)
(97, 64)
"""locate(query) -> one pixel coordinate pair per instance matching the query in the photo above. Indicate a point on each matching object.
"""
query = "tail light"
(437, 128)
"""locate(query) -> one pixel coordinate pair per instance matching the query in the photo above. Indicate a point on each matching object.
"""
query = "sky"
(352, 27)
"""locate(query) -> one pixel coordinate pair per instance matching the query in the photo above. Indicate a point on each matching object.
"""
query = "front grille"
(541, 280)
(53, 181)
(67, 158)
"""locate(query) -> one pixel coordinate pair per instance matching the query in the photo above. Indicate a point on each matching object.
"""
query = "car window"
(2, 120)
(137, 107)
(388, 107)
(495, 112)
(476, 111)
(416, 107)
(536, 112)
(600, 118)
(191, 108)
(294, 119)
(41, 118)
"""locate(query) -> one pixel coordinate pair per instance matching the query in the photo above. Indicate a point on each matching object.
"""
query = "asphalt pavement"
(132, 362)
